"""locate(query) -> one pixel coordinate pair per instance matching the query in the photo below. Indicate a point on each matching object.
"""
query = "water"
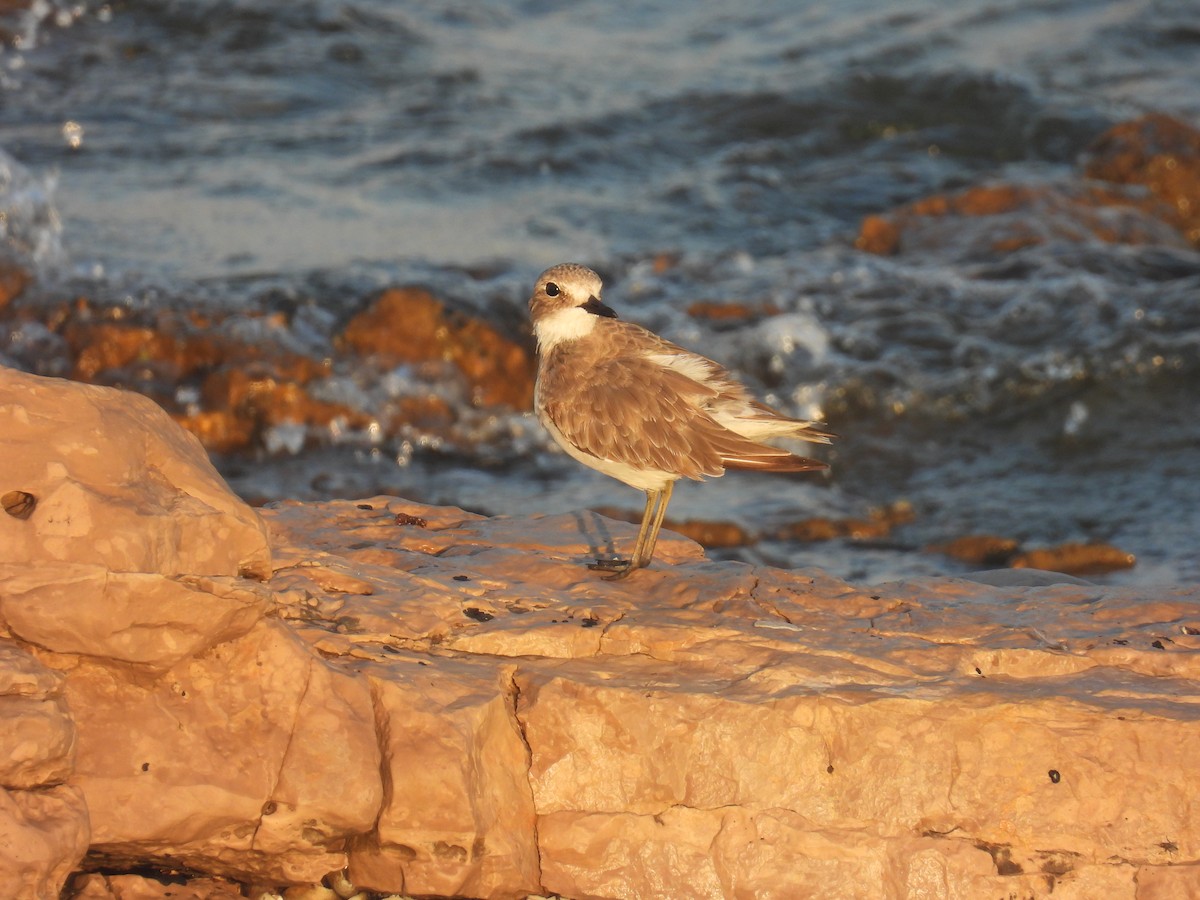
(249, 155)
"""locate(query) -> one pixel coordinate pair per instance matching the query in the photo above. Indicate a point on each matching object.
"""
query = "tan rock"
(116, 485)
(459, 817)
(43, 836)
(126, 616)
(453, 705)
(37, 736)
(728, 731)
(253, 759)
(43, 828)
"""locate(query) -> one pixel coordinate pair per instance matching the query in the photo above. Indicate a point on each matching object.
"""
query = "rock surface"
(117, 485)
(428, 701)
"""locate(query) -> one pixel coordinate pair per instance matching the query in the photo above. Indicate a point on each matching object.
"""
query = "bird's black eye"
(551, 289)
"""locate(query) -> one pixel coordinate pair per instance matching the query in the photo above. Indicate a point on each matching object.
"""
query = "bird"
(636, 407)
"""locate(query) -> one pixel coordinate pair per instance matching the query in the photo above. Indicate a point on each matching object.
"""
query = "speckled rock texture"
(430, 702)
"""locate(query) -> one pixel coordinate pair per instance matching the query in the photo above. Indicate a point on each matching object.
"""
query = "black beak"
(596, 308)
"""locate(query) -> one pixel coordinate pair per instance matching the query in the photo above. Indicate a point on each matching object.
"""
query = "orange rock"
(252, 759)
(1011, 217)
(170, 887)
(45, 835)
(731, 312)
(13, 281)
(220, 430)
(411, 325)
(1076, 559)
(979, 549)
(878, 525)
(140, 618)
(711, 534)
(703, 532)
(1160, 152)
(878, 235)
(664, 262)
(253, 402)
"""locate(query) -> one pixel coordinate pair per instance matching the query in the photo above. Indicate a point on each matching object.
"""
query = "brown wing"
(634, 411)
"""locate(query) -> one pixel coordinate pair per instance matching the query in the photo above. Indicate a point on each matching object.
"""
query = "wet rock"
(243, 404)
(1155, 152)
(979, 549)
(118, 486)
(13, 281)
(713, 310)
(991, 220)
(1163, 154)
(878, 524)
(410, 325)
(1076, 559)
(706, 533)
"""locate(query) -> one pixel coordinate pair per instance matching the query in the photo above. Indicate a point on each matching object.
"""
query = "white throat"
(563, 325)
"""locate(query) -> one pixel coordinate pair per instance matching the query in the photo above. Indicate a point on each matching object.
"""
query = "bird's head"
(566, 305)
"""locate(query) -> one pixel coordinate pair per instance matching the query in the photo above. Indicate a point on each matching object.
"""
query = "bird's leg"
(622, 567)
(643, 554)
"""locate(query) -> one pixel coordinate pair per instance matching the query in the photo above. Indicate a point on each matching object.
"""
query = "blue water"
(261, 155)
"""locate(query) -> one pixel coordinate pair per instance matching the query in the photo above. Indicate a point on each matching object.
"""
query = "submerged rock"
(1157, 156)
(410, 325)
(1163, 154)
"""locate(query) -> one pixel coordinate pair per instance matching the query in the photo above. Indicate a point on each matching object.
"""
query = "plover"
(640, 409)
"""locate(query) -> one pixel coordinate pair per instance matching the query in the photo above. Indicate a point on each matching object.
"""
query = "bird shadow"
(594, 529)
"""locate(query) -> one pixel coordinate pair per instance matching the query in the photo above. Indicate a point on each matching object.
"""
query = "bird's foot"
(618, 568)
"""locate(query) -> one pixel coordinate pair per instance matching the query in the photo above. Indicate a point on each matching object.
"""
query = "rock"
(253, 759)
(717, 311)
(979, 549)
(1163, 154)
(462, 823)
(43, 836)
(446, 704)
(117, 485)
(37, 736)
(1157, 152)
(136, 617)
(138, 887)
(728, 730)
(878, 524)
(410, 325)
(13, 279)
(43, 823)
(241, 404)
(990, 220)
(1076, 559)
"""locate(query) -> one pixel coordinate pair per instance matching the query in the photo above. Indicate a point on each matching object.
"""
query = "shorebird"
(640, 409)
